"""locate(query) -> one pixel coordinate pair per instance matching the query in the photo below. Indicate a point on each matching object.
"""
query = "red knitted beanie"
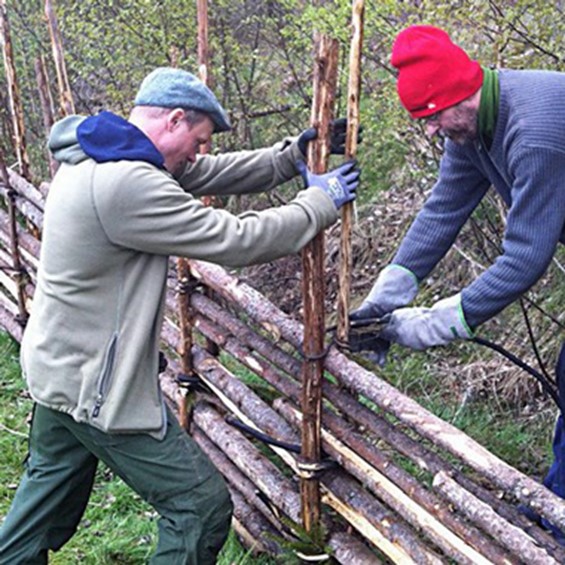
(433, 72)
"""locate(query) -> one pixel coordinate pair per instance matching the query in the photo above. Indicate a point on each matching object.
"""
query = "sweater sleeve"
(242, 172)
(533, 228)
(458, 191)
(142, 208)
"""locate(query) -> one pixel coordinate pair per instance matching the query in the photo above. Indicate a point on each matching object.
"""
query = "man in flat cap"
(504, 129)
(122, 201)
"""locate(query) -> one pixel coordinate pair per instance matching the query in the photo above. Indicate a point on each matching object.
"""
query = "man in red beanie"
(504, 129)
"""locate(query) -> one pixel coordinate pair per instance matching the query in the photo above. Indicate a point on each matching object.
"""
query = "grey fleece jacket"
(526, 165)
(90, 348)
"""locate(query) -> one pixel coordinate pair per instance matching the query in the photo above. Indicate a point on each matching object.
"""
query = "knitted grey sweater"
(526, 165)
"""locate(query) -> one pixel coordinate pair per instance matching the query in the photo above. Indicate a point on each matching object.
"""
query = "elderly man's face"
(459, 123)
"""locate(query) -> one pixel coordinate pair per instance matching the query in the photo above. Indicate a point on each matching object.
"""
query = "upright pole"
(16, 108)
(354, 85)
(65, 95)
(46, 105)
(325, 78)
(18, 270)
(185, 279)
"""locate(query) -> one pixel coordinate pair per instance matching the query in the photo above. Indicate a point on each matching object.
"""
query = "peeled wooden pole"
(65, 96)
(345, 259)
(46, 106)
(313, 288)
(16, 108)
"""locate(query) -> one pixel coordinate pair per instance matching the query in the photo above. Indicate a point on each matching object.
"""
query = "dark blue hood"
(107, 137)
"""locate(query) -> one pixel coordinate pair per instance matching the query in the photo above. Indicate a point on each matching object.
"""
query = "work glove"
(394, 288)
(338, 132)
(420, 328)
(339, 184)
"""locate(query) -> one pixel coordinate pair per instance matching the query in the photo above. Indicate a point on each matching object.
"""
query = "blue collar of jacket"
(107, 137)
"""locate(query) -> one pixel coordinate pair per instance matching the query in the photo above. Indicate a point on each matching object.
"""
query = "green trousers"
(173, 475)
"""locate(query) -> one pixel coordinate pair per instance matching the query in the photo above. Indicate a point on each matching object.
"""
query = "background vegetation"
(261, 69)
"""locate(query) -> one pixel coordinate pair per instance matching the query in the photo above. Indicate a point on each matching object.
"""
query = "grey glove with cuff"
(420, 328)
(394, 288)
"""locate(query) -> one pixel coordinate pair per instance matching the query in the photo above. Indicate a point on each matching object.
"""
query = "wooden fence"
(397, 483)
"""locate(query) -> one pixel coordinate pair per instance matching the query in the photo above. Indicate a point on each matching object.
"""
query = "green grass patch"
(118, 527)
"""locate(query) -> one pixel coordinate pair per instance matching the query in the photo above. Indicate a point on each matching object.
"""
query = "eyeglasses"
(433, 119)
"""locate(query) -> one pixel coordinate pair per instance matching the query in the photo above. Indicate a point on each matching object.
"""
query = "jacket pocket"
(105, 378)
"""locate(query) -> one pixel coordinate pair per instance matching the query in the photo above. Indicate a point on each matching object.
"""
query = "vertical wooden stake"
(65, 95)
(325, 78)
(19, 275)
(46, 106)
(16, 108)
(354, 85)
(186, 280)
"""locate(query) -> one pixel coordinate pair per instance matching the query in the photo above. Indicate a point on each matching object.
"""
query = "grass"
(118, 527)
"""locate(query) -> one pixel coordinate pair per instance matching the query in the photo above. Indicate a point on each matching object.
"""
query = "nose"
(432, 128)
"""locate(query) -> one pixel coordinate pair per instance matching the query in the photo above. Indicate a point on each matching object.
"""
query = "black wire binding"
(233, 421)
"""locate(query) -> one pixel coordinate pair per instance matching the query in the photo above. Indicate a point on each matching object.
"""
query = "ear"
(174, 118)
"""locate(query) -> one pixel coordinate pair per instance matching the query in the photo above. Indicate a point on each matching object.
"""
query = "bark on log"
(400, 501)
(354, 84)
(313, 287)
(8, 313)
(18, 277)
(511, 537)
(246, 457)
(27, 190)
(375, 522)
(369, 421)
(250, 510)
(406, 410)
(65, 96)
(16, 108)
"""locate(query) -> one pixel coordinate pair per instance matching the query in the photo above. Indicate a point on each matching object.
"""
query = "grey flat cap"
(174, 88)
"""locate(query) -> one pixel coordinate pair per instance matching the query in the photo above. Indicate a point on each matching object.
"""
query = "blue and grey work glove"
(420, 328)
(338, 132)
(339, 184)
(394, 288)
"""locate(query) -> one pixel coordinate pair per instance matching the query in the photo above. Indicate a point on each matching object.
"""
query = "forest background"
(261, 70)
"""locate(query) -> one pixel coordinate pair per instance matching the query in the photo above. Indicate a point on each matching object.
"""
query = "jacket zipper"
(104, 380)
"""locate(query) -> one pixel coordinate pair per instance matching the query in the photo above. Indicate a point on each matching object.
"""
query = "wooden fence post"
(14, 94)
(65, 95)
(325, 78)
(354, 85)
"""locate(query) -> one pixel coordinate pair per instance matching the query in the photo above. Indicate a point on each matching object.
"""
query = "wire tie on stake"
(313, 469)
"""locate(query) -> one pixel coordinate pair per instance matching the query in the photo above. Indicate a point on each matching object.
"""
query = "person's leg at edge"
(555, 479)
(53, 493)
(179, 481)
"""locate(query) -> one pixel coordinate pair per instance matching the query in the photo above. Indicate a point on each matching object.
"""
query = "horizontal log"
(27, 190)
(511, 537)
(370, 422)
(384, 395)
(24, 206)
(392, 495)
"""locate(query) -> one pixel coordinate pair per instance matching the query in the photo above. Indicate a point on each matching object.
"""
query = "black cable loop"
(547, 385)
